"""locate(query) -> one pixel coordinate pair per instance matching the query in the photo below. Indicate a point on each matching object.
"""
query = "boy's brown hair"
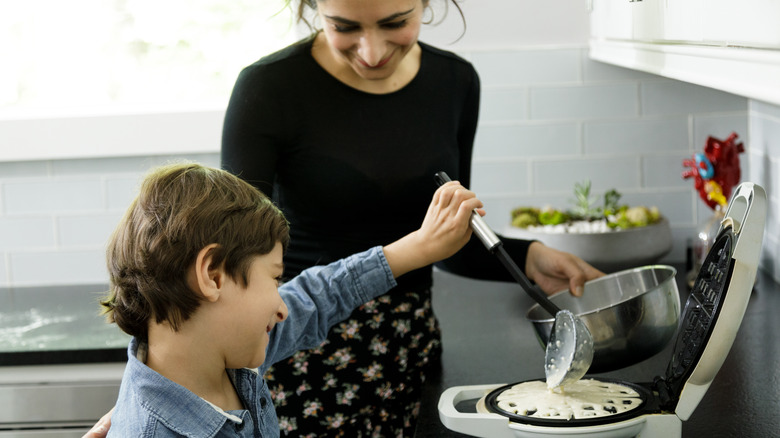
(182, 208)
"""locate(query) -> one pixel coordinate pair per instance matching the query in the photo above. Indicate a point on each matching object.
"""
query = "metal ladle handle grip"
(495, 246)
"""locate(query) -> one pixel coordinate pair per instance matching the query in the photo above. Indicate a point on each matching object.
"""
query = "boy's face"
(253, 311)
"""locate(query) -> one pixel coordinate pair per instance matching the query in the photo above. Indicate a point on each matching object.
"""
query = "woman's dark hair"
(181, 209)
(303, 5)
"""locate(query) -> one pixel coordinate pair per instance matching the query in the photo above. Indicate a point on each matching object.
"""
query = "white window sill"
(112, 132)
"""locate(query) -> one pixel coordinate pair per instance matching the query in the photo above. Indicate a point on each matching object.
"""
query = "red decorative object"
(716, 171)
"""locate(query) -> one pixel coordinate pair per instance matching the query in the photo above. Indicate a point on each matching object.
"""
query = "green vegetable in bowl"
(584, 203)
(524, 217)
(551, 216)
(585, 209)
(634, 217)
(611, 199)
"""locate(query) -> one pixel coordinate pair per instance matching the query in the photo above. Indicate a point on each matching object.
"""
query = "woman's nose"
(371, 48)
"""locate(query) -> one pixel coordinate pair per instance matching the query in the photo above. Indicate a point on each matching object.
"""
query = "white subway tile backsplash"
(760, 171)
(682, 238)
(773, 182)
(764, 169)
(523, 67)
(770, 261)
(719, 126)
(26, 232)
(25, 169)
(664, 171)
(86, 230)
(764, 133)
(4, 282)
(121, 190)
(636, 136)
(772, 230)
(503, 104)
(101, 165)
(206, 159)
(527, 140)
(604, 173)
(46, 196)
(505, 176)
(618, 100)
(58, 268)
(703, 213)
(674, 97)
(765, 109)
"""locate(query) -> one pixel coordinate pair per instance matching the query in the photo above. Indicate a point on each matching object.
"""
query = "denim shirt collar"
(174, 405)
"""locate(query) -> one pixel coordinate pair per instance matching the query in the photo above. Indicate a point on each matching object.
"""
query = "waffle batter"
(582, 399)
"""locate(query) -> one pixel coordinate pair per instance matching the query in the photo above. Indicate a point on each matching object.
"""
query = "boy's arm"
(444, 231)
(322, 296)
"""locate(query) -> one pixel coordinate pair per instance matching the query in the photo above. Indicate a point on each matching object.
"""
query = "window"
(87, 53)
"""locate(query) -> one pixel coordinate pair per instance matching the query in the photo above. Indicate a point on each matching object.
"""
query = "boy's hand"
(444, 230)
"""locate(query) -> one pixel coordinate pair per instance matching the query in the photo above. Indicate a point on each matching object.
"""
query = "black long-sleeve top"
(350, 169)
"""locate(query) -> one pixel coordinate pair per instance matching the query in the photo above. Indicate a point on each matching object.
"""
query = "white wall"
(509, 24)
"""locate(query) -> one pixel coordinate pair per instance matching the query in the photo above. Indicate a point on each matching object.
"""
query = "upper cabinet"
(730, 45)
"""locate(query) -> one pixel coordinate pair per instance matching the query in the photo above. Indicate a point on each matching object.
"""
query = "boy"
(194, 268)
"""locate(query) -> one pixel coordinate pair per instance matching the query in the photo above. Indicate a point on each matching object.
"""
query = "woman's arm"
(252, 131)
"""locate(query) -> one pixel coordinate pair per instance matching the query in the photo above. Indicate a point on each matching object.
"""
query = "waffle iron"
(708, 326)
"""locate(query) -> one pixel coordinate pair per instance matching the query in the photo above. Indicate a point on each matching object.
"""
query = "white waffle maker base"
(708, 326)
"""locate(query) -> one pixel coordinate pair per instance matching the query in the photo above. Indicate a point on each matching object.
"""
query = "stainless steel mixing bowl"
(631, 314)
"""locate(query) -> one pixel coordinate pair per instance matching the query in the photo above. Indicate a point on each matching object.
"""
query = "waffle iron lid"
(715, 307)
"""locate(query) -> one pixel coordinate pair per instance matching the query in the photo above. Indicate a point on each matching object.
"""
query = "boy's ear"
(209, 277)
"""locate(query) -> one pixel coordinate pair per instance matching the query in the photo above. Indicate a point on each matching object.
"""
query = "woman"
(337, 127)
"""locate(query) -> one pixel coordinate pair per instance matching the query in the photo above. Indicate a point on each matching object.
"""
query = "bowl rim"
(669, 268)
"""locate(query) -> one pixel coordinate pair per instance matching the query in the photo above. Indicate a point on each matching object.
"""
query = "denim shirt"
(150, 405)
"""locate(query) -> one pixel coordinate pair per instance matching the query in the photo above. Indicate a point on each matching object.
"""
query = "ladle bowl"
(569, 352)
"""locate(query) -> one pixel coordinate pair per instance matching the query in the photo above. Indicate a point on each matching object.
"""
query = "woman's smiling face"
(371, 36)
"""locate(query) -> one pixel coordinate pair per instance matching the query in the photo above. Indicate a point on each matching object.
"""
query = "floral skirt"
(366, 379)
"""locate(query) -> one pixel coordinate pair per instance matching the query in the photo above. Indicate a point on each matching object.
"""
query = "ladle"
(569, 351)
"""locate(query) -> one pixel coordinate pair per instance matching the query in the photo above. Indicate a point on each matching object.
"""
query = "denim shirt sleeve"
(322, 296)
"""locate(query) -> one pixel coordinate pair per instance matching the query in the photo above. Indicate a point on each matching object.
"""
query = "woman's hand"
(444, 231)
(100, 429)
(555, 270)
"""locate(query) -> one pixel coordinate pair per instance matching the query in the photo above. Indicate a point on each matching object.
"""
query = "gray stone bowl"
(608, 251)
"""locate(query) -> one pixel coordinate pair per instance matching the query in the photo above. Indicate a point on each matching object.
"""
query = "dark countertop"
(487, 340)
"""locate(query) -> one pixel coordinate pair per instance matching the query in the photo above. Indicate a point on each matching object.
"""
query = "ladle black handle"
(495, 246)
